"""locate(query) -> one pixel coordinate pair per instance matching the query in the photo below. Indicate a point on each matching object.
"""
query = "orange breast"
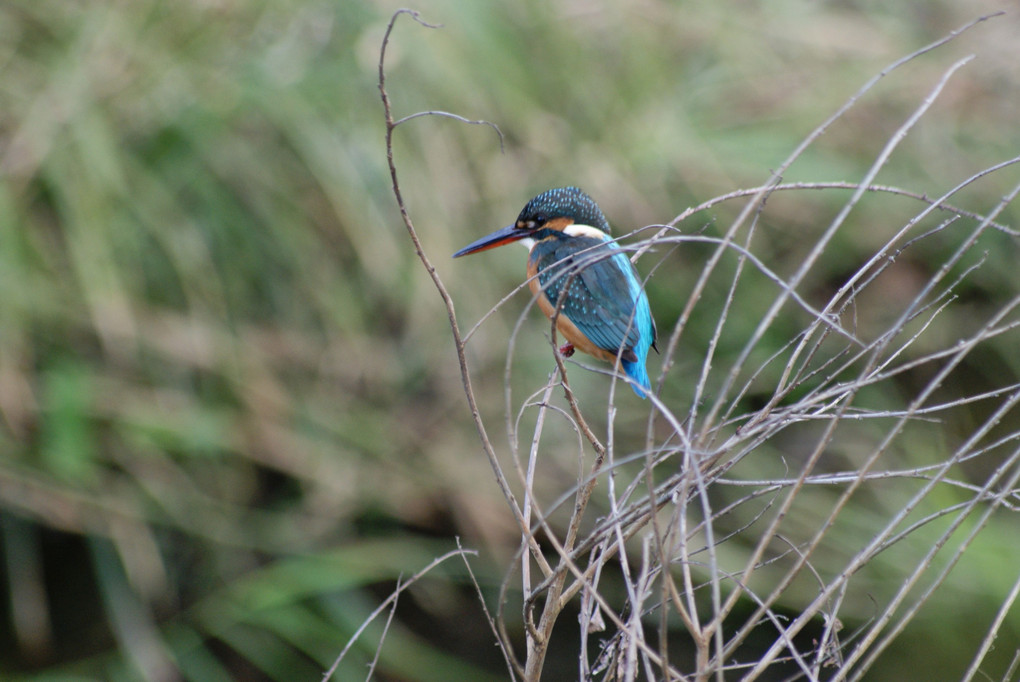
(563, 324)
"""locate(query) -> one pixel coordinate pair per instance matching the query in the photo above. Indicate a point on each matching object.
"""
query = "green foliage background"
(230, 411)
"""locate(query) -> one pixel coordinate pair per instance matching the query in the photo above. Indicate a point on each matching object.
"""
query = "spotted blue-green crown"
(565, 202)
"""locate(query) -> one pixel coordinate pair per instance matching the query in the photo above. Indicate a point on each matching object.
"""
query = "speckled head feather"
(564, 202)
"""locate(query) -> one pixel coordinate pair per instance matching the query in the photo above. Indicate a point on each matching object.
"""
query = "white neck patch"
(585, 231)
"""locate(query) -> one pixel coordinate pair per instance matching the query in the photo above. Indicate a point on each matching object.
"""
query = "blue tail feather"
(637, 372)
(642, 322)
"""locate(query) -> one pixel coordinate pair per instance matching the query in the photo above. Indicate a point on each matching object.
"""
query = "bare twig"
(391, 600)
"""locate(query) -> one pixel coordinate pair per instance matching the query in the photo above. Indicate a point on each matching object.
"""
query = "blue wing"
(603, 299)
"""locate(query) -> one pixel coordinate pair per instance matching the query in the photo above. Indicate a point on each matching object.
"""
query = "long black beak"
(510, 233)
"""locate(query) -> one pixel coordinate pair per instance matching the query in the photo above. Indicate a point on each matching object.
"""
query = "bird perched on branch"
(584, 280)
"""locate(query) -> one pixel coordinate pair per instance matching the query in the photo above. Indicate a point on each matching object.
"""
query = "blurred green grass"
(220, 358)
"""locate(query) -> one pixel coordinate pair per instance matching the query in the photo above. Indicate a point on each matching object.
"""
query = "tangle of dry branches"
(697, 548)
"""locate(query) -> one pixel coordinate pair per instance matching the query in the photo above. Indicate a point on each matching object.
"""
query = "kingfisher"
(604, 311)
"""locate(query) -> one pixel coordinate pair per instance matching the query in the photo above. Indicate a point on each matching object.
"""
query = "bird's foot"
(567, 349)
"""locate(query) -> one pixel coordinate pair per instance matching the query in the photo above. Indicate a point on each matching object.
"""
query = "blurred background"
(231, 415)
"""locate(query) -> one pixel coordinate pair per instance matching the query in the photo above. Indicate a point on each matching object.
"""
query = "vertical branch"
(459, 344)
(391, 126)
